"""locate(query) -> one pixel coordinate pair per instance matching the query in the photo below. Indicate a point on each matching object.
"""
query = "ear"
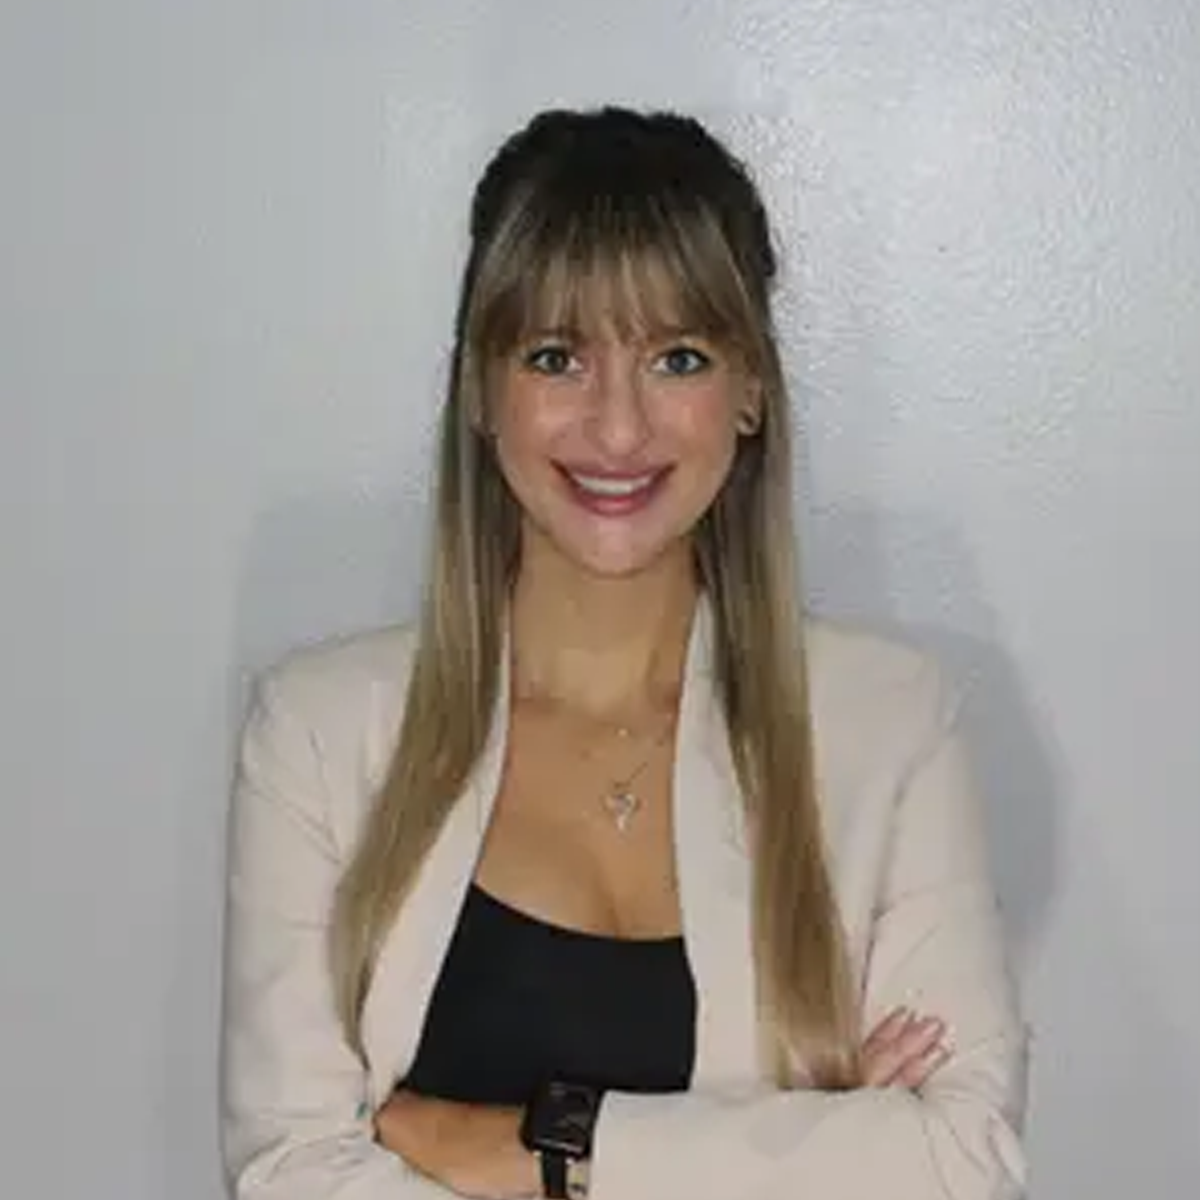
(480, 405)
(750, 412)
(477, 413)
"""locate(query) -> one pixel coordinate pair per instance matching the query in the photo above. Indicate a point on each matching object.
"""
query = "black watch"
(557, 1126)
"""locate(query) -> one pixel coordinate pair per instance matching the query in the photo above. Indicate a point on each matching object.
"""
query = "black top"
(519, 1000)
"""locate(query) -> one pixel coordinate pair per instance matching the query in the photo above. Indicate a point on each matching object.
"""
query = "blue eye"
(683, 360)
(549, 360)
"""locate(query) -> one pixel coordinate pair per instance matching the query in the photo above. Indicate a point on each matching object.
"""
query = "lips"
(613, 494)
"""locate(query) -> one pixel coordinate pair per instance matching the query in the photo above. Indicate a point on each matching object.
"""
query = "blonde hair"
(621, 201)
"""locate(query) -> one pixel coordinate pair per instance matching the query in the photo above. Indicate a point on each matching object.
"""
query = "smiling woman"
(615, 875)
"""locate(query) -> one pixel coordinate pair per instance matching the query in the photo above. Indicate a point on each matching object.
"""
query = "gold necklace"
(620, 801)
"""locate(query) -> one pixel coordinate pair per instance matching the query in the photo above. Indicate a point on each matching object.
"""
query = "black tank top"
(519, 1000)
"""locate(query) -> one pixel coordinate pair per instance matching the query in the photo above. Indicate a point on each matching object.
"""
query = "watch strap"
(554, 1175)
(563, 1177)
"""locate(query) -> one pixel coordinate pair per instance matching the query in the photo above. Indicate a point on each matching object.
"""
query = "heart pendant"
(622, 806)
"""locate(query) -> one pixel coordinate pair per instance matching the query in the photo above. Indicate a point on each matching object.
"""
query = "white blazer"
(909, 868)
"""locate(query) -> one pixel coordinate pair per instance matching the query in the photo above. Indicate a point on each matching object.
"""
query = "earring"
(748, 422)
(479, 423)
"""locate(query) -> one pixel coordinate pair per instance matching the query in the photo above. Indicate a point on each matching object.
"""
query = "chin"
(614, 570)
(621, 562)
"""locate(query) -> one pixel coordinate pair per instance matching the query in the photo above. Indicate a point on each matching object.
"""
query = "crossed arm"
(475, 1150)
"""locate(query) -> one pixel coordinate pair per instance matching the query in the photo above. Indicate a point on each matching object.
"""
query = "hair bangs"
(640, 265)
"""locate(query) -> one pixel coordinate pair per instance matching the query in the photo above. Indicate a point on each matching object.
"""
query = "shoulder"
(331, 672)
(343, 699)
(855, 663)
(878, 702)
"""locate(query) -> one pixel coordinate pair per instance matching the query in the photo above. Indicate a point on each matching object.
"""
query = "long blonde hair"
(621, 200)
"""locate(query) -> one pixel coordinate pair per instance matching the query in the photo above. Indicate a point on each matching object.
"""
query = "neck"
(610, 649)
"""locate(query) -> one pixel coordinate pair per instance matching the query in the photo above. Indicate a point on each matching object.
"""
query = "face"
(616, 446)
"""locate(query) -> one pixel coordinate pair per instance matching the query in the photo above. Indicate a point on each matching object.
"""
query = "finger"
(919, 1047)
(891, 1025)
(883, 1054)
(883, 1066)
(894, 1018)
(919, 1038)
(918, 1071)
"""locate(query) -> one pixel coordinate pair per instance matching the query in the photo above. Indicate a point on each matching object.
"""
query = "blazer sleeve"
(936, 946)
(295, 1122)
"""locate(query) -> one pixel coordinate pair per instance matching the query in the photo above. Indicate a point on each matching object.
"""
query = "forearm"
(958, 1140)
(472, 1149)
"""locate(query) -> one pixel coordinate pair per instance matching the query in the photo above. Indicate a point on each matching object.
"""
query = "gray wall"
(228, 241)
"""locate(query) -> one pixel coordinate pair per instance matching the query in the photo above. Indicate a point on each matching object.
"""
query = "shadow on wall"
(877, 569)
(847, 554)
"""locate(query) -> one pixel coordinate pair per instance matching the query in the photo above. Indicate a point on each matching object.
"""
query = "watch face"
(565, 1119)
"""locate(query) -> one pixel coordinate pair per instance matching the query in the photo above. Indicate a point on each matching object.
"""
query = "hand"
(473, 1149)
(904, 1050)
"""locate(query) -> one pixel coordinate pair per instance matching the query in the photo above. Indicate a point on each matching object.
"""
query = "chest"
(581, 833)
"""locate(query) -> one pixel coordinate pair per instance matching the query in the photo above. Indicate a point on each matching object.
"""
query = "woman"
(595, 881)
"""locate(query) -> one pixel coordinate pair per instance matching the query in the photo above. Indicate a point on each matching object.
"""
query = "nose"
(619, 418)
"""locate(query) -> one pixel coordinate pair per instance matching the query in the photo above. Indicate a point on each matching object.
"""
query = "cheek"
(517, 418)
(706, 423)
(526, 424)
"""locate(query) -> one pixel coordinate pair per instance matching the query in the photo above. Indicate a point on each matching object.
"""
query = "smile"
(610, 486)
(614, 495)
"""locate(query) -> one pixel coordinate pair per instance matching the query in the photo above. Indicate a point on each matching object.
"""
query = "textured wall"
(228, 235)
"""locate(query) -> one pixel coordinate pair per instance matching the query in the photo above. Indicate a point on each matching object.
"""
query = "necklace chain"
(620, 801)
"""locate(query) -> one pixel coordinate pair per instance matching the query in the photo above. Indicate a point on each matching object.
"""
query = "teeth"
(612, 487)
